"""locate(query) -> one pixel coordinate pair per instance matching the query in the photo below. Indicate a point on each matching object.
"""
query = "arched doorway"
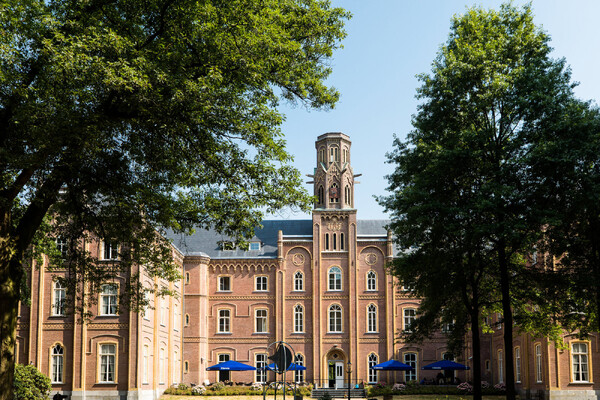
(335, 363)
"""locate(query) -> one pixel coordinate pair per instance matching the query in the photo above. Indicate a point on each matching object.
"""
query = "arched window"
(335, 319)
(299, 281)
(298, 319)
(321, 194)
(538, 363)
(342, 241)
(58, 353)
(347, 195)
(334, 193)
(60, 294)
(500, 366)
(372, 361)
(299, 374)
(371, 280)
(335, 278)
(372, 318)
(327, 241)
(145, 363)
(335, 241)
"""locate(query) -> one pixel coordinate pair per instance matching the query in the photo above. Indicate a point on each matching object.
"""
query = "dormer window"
(254, 246)
(227, 245)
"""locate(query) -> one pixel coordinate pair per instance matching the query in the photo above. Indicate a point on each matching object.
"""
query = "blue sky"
(388, 44)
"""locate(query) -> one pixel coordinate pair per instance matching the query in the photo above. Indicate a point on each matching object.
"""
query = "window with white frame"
(298, 319)
(163, 311)
(161, 366)
(538, 363)
(146, 313)
(260, 362)
(579, 356)
(410, 315)
(261, 283)
(224, 284)
(176, 374)
(371, 280)
(410, 359)
(299, 281)
(108, 355)
(58, 303)
(518, 364)
(145, 363)
(62, 245)
(335, 318)
(110, 250)
(224, 321)
(500, 366)
(254, 246)
(335, 278)
(58, 362)
(176, 317)
(372, 318)
(299, 374)
(372, 361)
(108, 299)
(261, 320)
(224, 375)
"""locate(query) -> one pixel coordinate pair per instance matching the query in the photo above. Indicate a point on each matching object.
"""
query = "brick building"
(320, 285)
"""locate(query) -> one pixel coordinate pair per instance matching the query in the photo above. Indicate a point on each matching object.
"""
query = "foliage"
(30, 383)
(465, 387)
(467, 198)
(122, 119)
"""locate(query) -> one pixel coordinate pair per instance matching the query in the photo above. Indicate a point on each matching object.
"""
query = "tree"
(121, 118)
(492, 98)
(30, 383)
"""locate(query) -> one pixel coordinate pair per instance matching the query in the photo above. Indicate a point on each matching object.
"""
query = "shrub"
(30, 384)
(485, 384)
(501, 387)
(326, 396)
(399, 387)
(198, 390)
(182, 386)
(465, 387)
(217, 386)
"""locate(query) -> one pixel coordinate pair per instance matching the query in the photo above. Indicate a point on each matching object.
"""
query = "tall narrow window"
(321, 194)
(145, 364)
(224, 317)
(58, 305)
(163, 311)
(409, 317)
(161, 366)
(335, 319)
(410, 359)
(538, 363)
(299, 374)
(327, 241)
(371, 280)
(108, 300)
(342, 241)
(579, 355)
(175, 378)
(500, 366)
(261, 321)
(58, 353)
(260, 362)
(62, 245)
(347, 199)
(518, 364)
(223, 375)
(335, 278)
(372, 318)
(110, 251)
(334, 193)
(299, 281)
(372, 361)
(108, 353)
(298, 319)
(335, 241)
(176, 317)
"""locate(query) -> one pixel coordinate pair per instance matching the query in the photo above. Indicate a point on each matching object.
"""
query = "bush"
(30, 383)
(465, 387)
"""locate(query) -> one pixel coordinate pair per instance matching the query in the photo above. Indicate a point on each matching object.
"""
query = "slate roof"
(207, 242)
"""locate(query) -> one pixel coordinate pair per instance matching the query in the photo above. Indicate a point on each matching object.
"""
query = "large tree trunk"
(508, 322)
(9, 306)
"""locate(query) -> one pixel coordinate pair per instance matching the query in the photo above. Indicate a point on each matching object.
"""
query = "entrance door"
(223, 375)
(339, 374)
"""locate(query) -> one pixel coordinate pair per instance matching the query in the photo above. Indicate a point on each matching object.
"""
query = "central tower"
(333, 176)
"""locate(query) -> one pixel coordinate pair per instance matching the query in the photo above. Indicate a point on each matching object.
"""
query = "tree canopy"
(468, 192)
(119, 118)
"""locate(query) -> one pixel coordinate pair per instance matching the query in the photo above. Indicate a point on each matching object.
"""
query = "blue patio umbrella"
(292, 367)
(446, 365)
(392, 365)
(230, 366)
